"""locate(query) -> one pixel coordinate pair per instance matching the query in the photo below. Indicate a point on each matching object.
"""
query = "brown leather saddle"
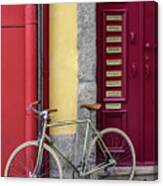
(94, 106)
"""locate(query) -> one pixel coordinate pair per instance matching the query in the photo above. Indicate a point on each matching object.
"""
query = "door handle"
(133, 70)
(132, 37)
(147, 70)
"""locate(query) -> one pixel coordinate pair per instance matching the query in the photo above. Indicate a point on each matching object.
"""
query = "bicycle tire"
(128, 140)
(31, 144)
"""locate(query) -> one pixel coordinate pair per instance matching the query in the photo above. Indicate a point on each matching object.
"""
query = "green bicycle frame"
(89, 125)
(83, 165)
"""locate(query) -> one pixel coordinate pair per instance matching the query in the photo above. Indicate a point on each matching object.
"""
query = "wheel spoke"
(120, 148)
(22, 163)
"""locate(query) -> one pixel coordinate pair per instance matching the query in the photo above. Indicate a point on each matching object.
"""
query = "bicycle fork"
(37, 168)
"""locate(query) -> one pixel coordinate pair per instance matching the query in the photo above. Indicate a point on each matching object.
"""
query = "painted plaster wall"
(63, 65)
(83, 70)
(63, 76)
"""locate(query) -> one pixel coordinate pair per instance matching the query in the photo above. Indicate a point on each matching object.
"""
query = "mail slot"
(113, 62)
(114, 18)
(113, 50)
(113, 106)
(115, 83)
(114, 39)
(113, 73)
(113, 93)
(114, 28)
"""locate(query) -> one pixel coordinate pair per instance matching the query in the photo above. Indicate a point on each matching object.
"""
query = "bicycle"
(41, 158)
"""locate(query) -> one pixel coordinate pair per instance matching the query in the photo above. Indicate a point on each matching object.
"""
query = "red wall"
(18, 76)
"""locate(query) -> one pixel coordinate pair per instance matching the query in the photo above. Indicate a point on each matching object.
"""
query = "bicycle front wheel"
(122, 152)
(22, 162)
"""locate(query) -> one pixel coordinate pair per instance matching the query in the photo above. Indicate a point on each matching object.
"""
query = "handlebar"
(32, 107)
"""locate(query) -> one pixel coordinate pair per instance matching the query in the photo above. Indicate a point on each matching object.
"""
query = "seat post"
(90, 114)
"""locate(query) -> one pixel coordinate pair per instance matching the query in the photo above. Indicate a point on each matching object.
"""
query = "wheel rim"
(122, 152)
(23, 160)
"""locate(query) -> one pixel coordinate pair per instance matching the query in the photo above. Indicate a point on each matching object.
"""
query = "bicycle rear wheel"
(23, 159)
(122, 152)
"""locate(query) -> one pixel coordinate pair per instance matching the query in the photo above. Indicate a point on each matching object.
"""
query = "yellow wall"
(63, 65)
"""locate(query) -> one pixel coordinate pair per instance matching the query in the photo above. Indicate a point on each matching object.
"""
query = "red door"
(127, 73)
(18, 76)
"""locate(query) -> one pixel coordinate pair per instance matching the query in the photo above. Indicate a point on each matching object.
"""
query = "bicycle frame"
(82, 168)
(83, 165)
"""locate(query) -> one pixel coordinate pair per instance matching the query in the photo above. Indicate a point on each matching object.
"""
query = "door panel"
(18, 76)
(13, 15)
(150, 85)
(13, 90)
(123, 77)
